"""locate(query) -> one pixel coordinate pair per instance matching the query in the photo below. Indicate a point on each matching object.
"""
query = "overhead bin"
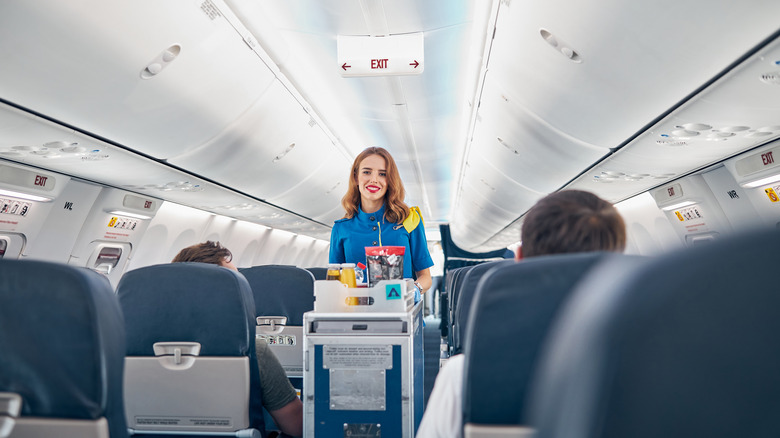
(38, 142)
(481, 217)
(316, 194)
(273, 148)
(524, 146)
(738, 112)
(91, 62)
(621, 61)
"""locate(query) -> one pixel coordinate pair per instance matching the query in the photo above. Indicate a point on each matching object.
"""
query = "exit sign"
(381, 55)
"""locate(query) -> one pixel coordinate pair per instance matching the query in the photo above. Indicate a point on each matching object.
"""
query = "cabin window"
(3, 247)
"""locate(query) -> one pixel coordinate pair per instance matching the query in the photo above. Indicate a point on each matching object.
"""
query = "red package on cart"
(384, 263)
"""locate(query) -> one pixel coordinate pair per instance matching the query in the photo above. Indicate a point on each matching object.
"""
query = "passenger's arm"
(279, 397)
(443, 416)
(425, 280)
(289, 418)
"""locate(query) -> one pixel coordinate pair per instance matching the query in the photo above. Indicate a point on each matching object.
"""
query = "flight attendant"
(376, 215)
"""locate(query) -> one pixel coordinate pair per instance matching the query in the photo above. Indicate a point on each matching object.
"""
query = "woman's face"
(372, 179)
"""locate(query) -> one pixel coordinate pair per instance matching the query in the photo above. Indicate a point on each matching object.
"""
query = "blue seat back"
(193, 302)
(62, 342)
(684, 345)
(281, 290)
(514, 307)
(318, 273)
(467, 291)
(454, 281)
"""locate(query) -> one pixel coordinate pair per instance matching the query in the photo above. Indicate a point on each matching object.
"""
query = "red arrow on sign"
(345, 66)
(415, 63)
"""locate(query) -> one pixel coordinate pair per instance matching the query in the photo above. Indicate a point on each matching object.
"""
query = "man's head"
(572, 221)
(207, 252)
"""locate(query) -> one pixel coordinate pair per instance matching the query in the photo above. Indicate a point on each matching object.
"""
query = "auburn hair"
(396, 209)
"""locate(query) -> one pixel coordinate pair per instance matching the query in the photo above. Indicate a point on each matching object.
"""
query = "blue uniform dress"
(350, 237)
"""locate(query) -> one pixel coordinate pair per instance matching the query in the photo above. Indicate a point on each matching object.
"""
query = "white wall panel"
(648, 230)
(176, 227)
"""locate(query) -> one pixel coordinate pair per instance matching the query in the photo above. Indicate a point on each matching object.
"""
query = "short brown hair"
(572, 221)
(206, 252)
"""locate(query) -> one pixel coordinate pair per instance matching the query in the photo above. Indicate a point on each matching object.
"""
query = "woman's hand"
(424, 280)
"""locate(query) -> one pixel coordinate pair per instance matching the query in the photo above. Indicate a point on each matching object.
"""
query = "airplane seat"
(444, 310)
(281, 290)
(282, 295)
(191, 365)
(444, 297)
(683, 345)
(513, 308)
(465, 298)
(62, 348)
(318, 273)
(454, 292)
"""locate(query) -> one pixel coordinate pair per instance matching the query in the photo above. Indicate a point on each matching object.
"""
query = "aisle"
(432, 348)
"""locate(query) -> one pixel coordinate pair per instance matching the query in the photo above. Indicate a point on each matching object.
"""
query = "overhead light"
(128, 214)
(24, 196)
(677, 205)
(762, 181)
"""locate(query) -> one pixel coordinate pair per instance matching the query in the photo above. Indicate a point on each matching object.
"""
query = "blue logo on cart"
(393, 291)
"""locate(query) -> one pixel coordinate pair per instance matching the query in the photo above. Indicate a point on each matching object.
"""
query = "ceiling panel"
(426, 113)
(738, 112)
(89, 73)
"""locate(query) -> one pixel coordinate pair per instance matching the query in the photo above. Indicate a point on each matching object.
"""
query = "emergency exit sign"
(381, 55)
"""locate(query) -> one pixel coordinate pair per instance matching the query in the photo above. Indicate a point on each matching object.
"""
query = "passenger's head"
(390, 187)
(207, 252)
(572, 221)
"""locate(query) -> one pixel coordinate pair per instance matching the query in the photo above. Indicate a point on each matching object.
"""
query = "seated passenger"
(562, 222)
(279, 396)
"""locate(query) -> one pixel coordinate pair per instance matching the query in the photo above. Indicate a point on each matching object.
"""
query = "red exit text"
(379, 63)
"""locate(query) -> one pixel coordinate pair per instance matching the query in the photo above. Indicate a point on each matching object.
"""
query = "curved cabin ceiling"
(239, 107)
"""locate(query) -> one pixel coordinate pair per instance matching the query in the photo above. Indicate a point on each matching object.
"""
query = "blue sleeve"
(336, 246)
(421, 258)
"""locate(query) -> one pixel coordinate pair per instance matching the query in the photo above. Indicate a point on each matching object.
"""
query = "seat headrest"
(318, 273)
(281, 290)
(62, 342)
(193, 302)
(678, 346)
